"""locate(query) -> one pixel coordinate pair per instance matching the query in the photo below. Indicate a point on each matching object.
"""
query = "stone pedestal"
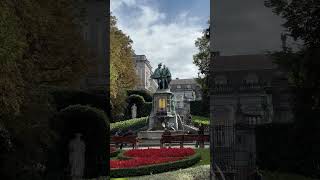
(163, 114)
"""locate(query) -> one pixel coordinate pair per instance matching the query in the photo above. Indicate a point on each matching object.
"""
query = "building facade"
(246, 90)
(185, 91)
(144, 71)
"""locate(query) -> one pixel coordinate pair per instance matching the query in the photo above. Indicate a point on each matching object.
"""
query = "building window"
(251, 79)
(189, 86)
(220, 80)
(178, 86)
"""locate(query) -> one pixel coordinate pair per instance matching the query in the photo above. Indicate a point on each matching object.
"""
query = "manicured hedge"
(146, 110)
(93, 124)
(146, 95)
(139, 102)
(115, 153)
(157, 168)
(64, 97)
(128, 124)
(198, 120)
(199, 108)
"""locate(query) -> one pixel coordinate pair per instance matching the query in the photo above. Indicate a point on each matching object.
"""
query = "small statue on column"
(134, 111)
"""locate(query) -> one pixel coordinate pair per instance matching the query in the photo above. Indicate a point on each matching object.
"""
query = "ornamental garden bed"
(138, 162)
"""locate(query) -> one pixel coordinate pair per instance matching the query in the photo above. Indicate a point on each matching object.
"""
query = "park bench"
(183, 138)
(118, 140)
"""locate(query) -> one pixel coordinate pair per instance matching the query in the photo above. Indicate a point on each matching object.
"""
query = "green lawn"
(283, 176)
(205, 156)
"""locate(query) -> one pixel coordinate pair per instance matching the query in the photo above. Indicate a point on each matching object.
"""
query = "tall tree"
(202, 60)
(40, 44)
(122, 71)
(302, 22)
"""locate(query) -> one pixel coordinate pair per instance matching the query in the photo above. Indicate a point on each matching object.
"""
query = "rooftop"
(183, 81)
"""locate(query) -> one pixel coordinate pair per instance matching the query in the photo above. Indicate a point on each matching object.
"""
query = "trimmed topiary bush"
(93, 124)
(146, 95)
(146, 110)
(156, 168)
(128, 124)
(64, 97)
(138, 101)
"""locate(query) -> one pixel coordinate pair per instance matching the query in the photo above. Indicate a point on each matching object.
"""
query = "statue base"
(163, 115)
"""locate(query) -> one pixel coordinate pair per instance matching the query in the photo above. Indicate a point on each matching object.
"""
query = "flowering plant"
(141, 161)
(142, 157)
(162, 152)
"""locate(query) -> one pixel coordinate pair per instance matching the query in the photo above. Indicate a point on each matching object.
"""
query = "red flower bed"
(142, 157)
(162, 152)
(140, 161)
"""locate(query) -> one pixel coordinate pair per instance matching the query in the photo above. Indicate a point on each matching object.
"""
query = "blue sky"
(164, 30)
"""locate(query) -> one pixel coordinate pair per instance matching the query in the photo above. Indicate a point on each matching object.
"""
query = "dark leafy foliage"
(302, 22)
(143, 108)
(93, 124)
(146, 95)
(125, 125)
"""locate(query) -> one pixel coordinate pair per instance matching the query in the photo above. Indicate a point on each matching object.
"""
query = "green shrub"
(198, 120)
(64, 97)
(129, 124)
(146, 110)
(138, 101)
(156, 168)
(115, 154)
(93, 124)
(146, 95)
(199, 108)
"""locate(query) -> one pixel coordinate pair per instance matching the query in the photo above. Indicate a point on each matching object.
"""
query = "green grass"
(283, 176)
(205, 156)
(201, 120)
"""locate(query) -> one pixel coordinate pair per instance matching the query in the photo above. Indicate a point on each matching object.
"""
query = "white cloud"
(116, 4)
(169, 42)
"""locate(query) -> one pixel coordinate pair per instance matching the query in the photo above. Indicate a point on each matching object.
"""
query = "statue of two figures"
(163, 77)
(77, 157)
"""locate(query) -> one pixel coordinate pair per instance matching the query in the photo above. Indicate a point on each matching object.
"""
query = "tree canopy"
(302, 22)
(122, 71)
(202, 61)
(40, 44)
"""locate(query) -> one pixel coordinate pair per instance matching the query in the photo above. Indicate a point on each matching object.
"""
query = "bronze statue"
(163, 77)
(157, 76)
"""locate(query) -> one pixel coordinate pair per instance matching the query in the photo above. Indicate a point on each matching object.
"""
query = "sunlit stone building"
(144, 71)
(185, 91)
